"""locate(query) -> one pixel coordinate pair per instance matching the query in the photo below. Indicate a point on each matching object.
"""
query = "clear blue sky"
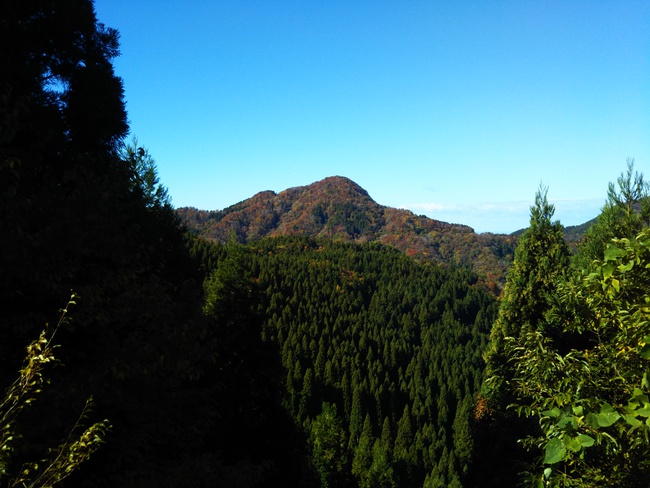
(453, 109)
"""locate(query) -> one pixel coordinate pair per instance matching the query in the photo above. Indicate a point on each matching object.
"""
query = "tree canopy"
(575, 369)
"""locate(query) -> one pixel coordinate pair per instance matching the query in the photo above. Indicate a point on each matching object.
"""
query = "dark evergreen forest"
(287, 361)
(379, 357)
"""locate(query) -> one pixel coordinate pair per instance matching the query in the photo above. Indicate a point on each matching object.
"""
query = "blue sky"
(453, 109)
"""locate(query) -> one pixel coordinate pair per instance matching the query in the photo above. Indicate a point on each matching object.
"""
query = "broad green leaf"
(644, 412)
(574, 445)
(608, 269)
(562, 424)
(578, 410)
(585, 440)
(613, 253)
(632, 420)
(554, 451)
(640, 396)
(592, 421)
(607, 416)
(616, 284)
(626, 267)
(553, 413)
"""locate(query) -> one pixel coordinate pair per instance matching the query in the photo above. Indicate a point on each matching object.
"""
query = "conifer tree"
(463, 442)
(329, 447)
(355, 416)
(362, 310)
(541, 258)
(363, 455)
(70, 219)
(626, 212)
(582, 377)
(381, 473)
(403, 450)
(144, 174)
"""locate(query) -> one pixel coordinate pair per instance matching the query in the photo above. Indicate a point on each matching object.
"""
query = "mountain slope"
(339, 209)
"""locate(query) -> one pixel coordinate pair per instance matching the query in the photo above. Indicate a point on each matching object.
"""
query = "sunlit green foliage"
(541, 258)
(329, 449)
(626, 212)
(592, 402)
(578, 366)
(63, 460)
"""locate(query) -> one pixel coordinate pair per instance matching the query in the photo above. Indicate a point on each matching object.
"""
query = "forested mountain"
(233, 366)
(258, 356)
(339, 209)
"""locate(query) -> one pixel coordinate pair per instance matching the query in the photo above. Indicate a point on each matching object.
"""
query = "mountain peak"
(340, 184)
(332, 188)
(338, 208)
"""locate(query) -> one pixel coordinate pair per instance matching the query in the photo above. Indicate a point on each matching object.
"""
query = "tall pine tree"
(541, 257)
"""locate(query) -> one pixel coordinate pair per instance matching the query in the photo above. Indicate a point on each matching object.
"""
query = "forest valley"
(136, 353)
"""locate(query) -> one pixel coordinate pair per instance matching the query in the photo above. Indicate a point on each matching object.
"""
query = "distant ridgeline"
(573, 234)
(337, 208)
